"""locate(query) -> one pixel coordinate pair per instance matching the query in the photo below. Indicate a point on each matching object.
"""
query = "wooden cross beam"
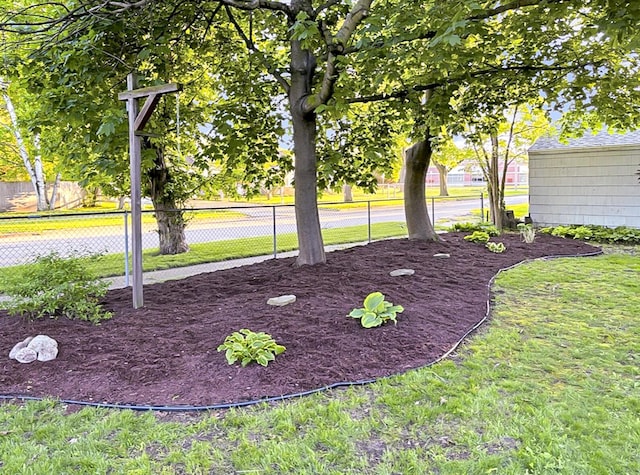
(137, 121)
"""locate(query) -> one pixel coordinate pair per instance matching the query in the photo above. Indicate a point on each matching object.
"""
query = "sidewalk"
(175, 273)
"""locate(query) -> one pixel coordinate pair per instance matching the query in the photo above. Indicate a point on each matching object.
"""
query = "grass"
(551, 385)
(384, 195)
(40, 224)
(200, 253)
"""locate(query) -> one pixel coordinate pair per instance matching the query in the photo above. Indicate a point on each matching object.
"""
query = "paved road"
(256, 222)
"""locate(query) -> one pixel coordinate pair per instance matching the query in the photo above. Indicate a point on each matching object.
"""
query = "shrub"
(54, 286)
(496, 247)
(479, 237)
(490, 229)
(247, 346)
(376, 311)
(528, 232)
(601, 234)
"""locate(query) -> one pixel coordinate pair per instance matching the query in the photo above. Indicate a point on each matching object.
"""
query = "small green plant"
(471, 227)
(528, 232)
(479, 237)
(247, 346)
(376, 311)
(496, 247)
(55, 286)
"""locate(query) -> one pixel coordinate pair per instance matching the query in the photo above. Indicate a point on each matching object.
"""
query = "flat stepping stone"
(281, 301)
(399, 272)
(442, 255)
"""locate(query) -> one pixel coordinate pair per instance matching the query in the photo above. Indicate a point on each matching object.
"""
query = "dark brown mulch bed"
(165, 353)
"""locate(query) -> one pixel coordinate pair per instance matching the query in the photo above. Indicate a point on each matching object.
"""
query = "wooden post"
(135, 154)
(137, 121)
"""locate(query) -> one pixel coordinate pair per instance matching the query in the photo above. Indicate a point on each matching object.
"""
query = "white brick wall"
(597, 185)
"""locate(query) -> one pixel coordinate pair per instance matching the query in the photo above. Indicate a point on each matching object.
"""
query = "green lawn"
(200, 253)
(550, 385)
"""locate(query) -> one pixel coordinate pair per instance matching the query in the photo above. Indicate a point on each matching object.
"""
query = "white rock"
(42, 342)
(26, 355)
(442, 255)
(282, 300)
(399, 272)
(14, 350)
(48, 353)
(19, 346)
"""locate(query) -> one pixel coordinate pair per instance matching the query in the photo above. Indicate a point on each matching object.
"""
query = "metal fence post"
(481, 207)
(369, 220)
(126, 248)
(275, 239)
(433, 212)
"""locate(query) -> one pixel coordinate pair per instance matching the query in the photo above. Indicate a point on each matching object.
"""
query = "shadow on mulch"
(165, 353)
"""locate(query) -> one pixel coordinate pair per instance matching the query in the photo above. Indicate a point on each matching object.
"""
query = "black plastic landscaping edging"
(187, 408)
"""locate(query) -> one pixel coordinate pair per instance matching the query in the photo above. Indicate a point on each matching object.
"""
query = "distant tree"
(498, 143)
(446, 157)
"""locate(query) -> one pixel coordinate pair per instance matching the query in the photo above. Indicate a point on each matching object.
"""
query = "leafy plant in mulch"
(54, 286)
(247, 346)
(528, 232)
(376, 311)
(471, 227)
(496, 247)
(595, 233)
(479, 237)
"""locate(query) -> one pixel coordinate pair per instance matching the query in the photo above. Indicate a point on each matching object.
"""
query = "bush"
(600, 234)
(54, 286)
(376, 311)
(247, 346)
(490, 229)
(479, 237)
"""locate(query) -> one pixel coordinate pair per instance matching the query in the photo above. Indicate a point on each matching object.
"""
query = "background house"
(590, 180)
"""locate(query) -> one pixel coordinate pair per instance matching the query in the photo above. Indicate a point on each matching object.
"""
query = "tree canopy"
(429, 63)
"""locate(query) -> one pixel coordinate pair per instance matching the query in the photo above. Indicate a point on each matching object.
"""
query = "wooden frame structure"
(137, 120)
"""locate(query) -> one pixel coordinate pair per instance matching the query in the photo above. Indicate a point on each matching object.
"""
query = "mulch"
(164, 354)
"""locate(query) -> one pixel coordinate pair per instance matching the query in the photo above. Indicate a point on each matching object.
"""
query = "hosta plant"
(376, 311)
(480, 237)
(246, 346)
(496, 247)
(528, 232)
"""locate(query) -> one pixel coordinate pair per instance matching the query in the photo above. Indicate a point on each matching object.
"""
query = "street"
(257, 221)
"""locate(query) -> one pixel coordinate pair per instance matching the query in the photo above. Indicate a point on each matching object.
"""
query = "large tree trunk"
(443, 173)
(417, 158)
(169, 217)
(311, 247)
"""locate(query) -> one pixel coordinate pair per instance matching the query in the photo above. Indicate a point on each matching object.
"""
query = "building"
(589, 180)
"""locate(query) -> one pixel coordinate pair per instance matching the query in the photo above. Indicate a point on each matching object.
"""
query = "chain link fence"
(256, 230)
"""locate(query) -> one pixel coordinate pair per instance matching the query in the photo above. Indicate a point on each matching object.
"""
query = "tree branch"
(253, 49)
(402, 93)
(258, 5)
(336, 49)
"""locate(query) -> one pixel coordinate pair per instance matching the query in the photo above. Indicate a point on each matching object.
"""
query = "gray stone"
(282, 300)
(19, 346)
(42, 343)
(26, 355)
(442, 255)
(48, 353)
(399, 272)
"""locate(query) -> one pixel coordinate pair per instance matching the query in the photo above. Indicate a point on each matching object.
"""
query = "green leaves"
(247, 346)
(54, 286)
(376, 311)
